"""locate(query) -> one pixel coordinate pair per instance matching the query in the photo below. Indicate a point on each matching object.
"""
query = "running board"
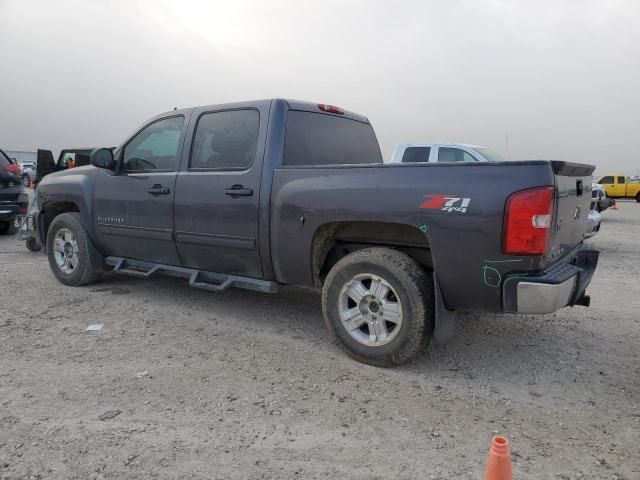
(215, 282)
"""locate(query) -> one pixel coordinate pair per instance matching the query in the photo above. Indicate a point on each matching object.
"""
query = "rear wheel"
(8, 228)
(68, 251)
(638, 197)
(378, 306)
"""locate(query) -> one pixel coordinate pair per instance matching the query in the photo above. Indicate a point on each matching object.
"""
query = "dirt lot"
(182, 383)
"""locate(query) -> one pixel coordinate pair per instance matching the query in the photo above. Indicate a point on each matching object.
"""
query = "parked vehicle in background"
(617, 186)
(599, 194)
(274, 192)
(77, 157)
(28, 173)
(13, 198)
(443, 153)
(594, 219)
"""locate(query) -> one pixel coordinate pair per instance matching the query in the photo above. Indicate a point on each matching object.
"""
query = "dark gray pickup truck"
(268, 193)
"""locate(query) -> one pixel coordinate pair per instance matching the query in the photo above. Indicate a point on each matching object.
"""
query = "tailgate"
(572, 204)
(10, 193)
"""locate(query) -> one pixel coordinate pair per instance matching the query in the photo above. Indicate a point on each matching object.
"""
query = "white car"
(594, 219)
(443, 153)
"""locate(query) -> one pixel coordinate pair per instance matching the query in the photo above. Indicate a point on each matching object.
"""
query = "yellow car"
(618, 186)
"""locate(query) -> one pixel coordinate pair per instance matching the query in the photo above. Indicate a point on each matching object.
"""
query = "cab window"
(155, 147)
(621, 179)
(454, 155)
(225, 140)
(416, 155)
(606, 180)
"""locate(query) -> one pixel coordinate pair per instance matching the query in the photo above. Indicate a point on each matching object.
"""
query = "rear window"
(4, 160)
(416, 154)
(320, 139)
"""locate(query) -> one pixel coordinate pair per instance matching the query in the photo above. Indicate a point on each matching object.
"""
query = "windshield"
(489, 154)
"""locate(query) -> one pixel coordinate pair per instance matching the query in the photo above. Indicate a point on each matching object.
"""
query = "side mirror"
(103, 158)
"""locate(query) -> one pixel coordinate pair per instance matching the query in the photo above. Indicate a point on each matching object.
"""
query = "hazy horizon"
(558, 79)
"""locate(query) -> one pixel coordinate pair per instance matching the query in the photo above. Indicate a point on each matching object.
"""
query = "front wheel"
(68, 250)
(638, 197)
(378, 305)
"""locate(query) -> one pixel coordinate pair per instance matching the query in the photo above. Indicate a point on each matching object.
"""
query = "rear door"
(133, 207)
(216, 209)
(620, 187)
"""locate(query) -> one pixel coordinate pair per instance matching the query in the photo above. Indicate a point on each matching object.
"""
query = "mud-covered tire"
(411, 287)
(83, 273)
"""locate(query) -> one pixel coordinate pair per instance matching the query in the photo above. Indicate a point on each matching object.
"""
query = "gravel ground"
(183, 383)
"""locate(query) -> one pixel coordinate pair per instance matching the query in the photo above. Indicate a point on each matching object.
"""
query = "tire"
(33, 245)
(8, 228)
(638, 197)
(411, 293)
(68, 251)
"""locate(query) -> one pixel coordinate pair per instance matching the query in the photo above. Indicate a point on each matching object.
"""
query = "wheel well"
(51, 210)
(333, 241)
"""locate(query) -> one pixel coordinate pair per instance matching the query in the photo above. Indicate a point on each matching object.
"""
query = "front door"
(217, 192)
(133, 207)
(608, 183)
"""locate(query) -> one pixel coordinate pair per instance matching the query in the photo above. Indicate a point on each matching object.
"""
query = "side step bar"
(212, 281)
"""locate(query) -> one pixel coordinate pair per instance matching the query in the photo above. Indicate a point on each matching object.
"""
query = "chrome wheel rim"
(370, 310)
(65, 250)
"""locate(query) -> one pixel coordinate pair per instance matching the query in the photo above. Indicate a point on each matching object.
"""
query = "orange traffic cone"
(499, 462)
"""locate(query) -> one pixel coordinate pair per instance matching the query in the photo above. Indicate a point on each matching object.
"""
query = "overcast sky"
(558, 79)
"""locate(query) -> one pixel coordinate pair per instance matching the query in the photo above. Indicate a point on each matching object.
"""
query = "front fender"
(69, 187)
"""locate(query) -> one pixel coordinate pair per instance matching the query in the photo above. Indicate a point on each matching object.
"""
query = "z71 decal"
(447, 203)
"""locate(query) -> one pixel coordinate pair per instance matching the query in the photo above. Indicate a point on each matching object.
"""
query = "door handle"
(239, 191)
(158, 190)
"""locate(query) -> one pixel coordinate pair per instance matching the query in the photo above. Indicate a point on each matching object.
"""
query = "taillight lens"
(12, 168)
(527, 222)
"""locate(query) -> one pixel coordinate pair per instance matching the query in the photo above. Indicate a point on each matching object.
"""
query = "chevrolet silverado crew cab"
(268, 193)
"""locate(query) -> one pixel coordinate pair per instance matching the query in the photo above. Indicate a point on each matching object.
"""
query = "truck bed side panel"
(465, 242)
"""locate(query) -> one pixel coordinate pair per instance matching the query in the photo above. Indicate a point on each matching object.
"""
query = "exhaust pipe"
(584, 300)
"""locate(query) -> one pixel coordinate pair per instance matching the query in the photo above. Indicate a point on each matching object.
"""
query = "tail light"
(12, 168)
(527, 222)
(23, 208)
(331, 108)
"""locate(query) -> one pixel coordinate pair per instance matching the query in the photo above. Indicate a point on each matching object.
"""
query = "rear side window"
(320, 139)
(4, 160)
(416, 154)
(225, 140)
(454, 155)
(606, 180)
(621, 179)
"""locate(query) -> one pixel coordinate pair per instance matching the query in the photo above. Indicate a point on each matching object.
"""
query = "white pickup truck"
(443, 153)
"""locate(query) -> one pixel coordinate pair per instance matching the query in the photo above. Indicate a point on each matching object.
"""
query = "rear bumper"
(562, 285)
(10, 209)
